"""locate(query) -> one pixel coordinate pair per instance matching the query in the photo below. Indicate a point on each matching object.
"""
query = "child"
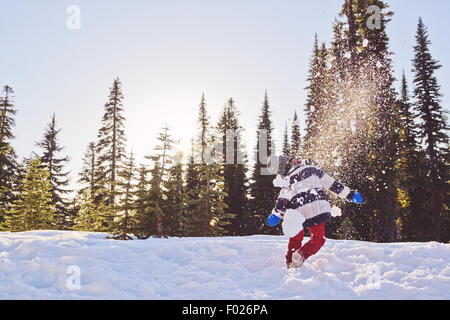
(303, 190)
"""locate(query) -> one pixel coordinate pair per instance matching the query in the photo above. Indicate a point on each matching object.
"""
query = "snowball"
(292, 223)
(336, 212)
(279, 182)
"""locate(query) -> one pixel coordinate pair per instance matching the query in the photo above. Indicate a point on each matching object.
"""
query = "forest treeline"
(391, 145)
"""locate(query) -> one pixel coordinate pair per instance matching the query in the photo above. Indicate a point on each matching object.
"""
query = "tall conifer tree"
(111, 140)
(295, 138)
(124, 222)
(33, 208)
(263, 194)
(59, 177)
(234, 168)
(433, 131)
(8, 165)
(286, 145)
(174, 203)
(209, 215)
(411, 182)
(162, 161)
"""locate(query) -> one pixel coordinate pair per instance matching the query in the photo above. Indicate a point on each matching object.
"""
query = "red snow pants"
(311, 247)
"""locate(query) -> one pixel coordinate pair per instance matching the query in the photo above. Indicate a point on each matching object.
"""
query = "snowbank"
(83, 265)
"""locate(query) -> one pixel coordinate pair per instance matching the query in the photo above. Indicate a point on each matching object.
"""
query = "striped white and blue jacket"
(307, 195)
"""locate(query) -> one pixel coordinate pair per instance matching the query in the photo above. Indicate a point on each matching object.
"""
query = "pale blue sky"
(167, 53)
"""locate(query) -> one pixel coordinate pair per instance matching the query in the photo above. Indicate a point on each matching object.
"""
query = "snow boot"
(297, 260)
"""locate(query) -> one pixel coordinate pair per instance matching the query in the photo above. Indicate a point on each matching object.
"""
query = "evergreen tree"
(59, 179)
(8, 165)
(315, 109)
(85, 219)
(207, 214)
(411, 181)
(111, 143)
(150, 194)
(192, 182)
(203, 136)
(384, 142)
(89, 174)
(192, 194)
(149, 213)
(363, 119)
(174, 203)
(142, 190)
(286, 145)
(33, 209)
(432, 130)
(263, 194)
(162, 162)
(212, 209)
(295, 138)
(235, 169)
(94, 212)
(124, 222)
(163, 149)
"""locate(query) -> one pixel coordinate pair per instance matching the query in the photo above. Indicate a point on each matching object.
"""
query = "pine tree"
(174, 203)
(111, 143)
(142, 190)
(213, 210)
(295, 138)
(85, 219)
(433, 130)
(286, 145)
(124, 222)
(234, 169)
(312, 104)
(89, 175)
(207, 215)
(315, 108)
(94, 212)
(162, 162)
(8, 165)
(192, 194)
(365, 125)
(203, 136)
(59, 179)
(192, 182)
(263, 194)
(163, 149)
(33, 209)
(149, 214)
(411, 191)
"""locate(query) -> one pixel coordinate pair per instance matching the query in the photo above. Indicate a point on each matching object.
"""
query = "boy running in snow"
(303, 190)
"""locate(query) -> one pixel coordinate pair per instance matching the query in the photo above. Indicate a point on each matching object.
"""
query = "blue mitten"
(357, 198)
(273, 220)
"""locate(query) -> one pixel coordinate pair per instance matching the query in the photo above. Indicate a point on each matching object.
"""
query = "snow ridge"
(40, 264)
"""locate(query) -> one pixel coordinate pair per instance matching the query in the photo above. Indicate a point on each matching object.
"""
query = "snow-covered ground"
(83, 265)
